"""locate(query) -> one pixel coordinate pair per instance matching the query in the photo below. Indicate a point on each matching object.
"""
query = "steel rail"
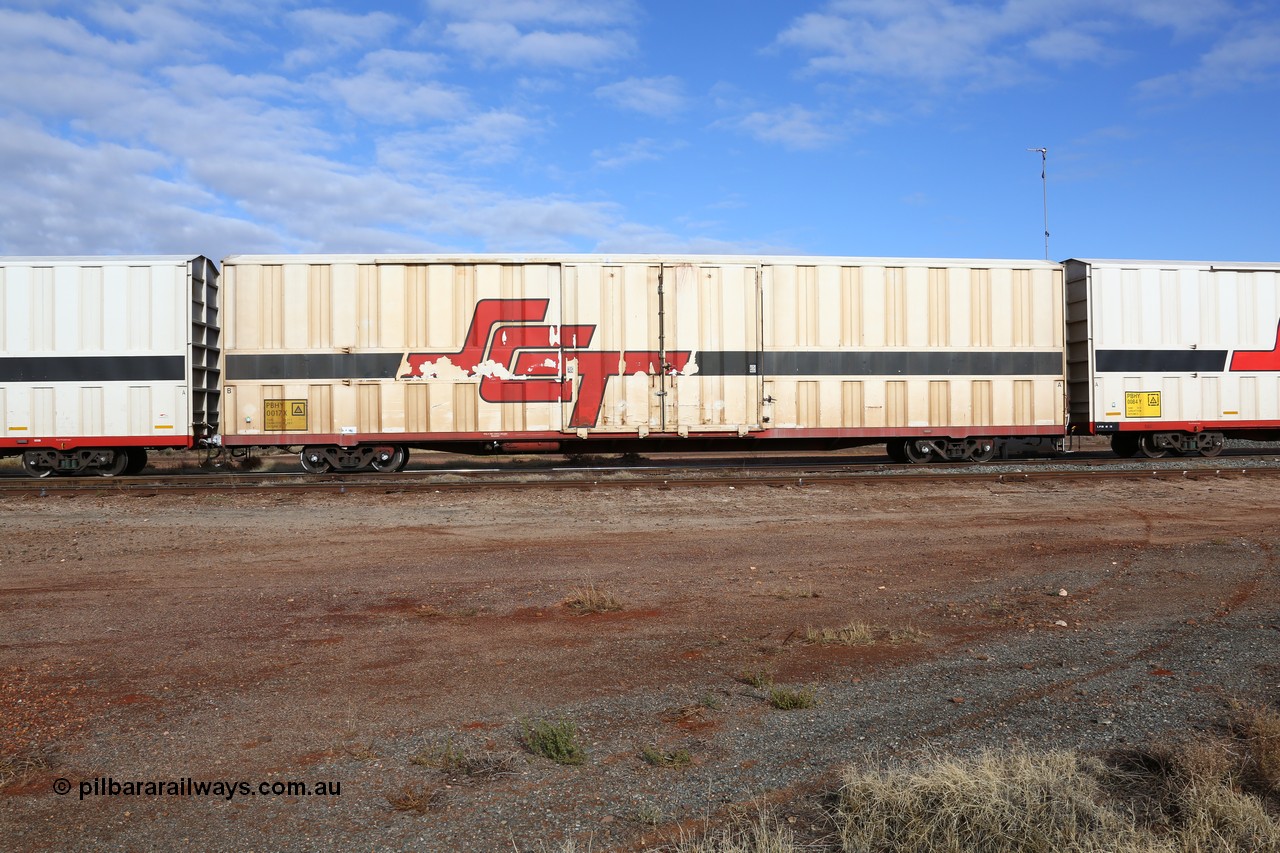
(572, 478)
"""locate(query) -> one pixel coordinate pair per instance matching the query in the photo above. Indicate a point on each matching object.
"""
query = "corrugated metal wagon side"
(104, 358)
(938, 358)
(357, 359)
(1174, 356)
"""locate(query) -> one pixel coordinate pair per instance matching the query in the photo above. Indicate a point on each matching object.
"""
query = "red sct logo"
(520, 359)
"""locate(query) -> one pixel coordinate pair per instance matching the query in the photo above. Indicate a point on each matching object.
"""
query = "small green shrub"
(757, 678)
(556, 740)
(792, 699)
(660, 758)
(445, 756)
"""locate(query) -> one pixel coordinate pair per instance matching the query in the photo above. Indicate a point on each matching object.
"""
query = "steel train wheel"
(1210, 443)
(1149, 448)
(137, 461)
(33, 468)
(1124, 444)
(314, 461)
(980, 449)
(919, 451)
(119, 461)
(388, 459)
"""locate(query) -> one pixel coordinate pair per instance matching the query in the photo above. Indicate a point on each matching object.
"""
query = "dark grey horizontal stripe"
(892, 363)
(296, 367)
(90, 368)
(1160, 361)
(280, 368)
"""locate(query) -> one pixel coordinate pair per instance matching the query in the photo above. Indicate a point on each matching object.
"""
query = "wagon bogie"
(102, 461)
(322, 459)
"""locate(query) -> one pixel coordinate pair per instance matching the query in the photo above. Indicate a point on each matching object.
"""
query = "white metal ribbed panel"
(98, 350)
(923, 321)
(1186, 343)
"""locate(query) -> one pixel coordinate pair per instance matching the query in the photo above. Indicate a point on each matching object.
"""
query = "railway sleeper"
(377, 457)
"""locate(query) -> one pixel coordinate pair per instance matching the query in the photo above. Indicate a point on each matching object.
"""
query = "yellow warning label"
(1142, 404)
(284, 415)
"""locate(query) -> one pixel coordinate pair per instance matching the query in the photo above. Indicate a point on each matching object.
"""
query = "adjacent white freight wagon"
(356, 359)
(1173, 356)
(103, 358)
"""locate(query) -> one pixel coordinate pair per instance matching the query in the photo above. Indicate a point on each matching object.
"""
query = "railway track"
(781, 471)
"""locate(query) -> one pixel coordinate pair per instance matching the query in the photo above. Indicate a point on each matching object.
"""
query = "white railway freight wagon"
(356, 359)
(103, 358)
(1173, 356)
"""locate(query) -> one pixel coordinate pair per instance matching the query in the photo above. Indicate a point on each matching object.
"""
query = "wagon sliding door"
(712, 312)
(662, 348)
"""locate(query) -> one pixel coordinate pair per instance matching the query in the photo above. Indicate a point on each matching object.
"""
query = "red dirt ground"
(263, 636)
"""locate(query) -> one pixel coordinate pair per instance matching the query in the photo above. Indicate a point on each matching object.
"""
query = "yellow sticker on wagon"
(1142, 404)
(284, 415)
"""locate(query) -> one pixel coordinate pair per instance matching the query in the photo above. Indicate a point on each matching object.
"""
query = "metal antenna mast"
(1044, 185)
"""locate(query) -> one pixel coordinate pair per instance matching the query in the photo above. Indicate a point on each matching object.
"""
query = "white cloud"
(501, 43)
(116, 145)
(792, 127)
(944, 42)
(485, 138)
(64, 198)
(329, 33)
(662, 97)
(569, 13)
(1184, 17)
(639, 151)
(1246, 58)
(573, 34)
(391, 89)
(928, 40)
(1066, 46)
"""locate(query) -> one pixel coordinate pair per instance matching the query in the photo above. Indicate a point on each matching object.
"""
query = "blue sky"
(833, 127)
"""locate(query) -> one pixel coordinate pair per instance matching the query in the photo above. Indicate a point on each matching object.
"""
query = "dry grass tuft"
(763, 835)
(853, 634)
(1184, 797)
(909, 634)
(362, 751)
(469, 760)
(661, 758)
(998, 802)
(588, 599)
(861, 634)
(415, 798)
(1257, 728)
(14, 768)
